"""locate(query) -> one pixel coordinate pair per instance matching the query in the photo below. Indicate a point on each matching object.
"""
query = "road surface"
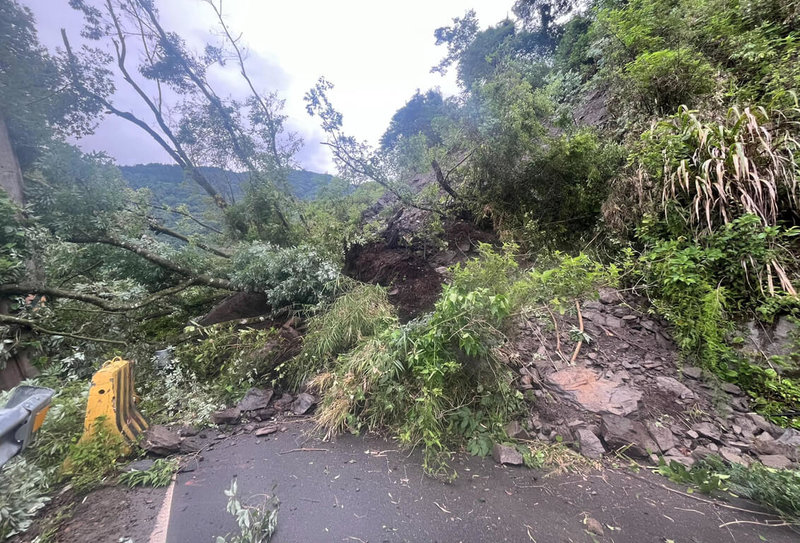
(366, 490)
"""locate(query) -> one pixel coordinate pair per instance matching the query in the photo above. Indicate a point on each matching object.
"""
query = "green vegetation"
(777, 489)
(647, 144)
(256, 523)
(437, 381)
(159, 474)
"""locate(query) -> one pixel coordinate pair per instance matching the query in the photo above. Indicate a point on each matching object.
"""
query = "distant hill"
(167, 183)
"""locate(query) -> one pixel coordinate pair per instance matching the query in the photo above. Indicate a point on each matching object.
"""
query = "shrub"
(289, 276)
(256, 524)
(661, 81)
(90, 460)
(718, 172)
(158, 475)
(23, 492)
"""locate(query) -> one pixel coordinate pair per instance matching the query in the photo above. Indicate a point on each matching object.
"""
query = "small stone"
(593, 526)
(505, 454)
(674, 387)
(730, 388)
(706, 429)
(266, 430)
(255, 399)
(514, 430)
(283, 403)
(303, 403)
(701, 453)
(161, 441)
(590, 444)
(775, 461)
(692, 372)
(226, 416)
(686, 461)
(662, 436)
(692, 434)
(734, 456)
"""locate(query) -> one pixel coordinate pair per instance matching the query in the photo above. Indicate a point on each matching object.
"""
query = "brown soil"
(106, 514)
(410, 272)
(413, 284)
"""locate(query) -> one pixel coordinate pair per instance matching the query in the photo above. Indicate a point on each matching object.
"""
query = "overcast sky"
(377, 53)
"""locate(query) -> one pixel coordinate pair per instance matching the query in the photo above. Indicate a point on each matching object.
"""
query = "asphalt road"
(365, 490)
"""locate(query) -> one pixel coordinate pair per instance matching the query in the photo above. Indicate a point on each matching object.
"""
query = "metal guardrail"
(20, 418)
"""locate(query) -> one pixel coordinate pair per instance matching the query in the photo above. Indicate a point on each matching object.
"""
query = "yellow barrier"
(111, 399)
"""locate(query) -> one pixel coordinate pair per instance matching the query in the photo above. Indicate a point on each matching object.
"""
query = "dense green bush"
(289, 276)
(663, 80)
(23, 492)
(698, 284)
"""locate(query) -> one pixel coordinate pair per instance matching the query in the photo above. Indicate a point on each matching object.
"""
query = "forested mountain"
(170, 187)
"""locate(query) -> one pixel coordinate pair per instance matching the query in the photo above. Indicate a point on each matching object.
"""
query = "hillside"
(166, 181)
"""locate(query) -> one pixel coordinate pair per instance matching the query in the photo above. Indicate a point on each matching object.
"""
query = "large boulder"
(161, 441)
(594, 393)
(303, 403)
(619, 432)
(255, 399)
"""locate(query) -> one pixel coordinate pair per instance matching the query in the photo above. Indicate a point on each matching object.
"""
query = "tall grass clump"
(361, 312)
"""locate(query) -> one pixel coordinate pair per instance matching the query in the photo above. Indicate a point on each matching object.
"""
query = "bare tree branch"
(8, 319)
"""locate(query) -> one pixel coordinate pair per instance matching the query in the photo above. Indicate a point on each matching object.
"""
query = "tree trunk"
(19, 366)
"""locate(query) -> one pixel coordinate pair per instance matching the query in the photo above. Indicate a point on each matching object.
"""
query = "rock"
(263, 414)
(692, 372)
(764, 444)
(790, 437)
(514, 430)
(706, 429)
(505, 454)
(226, 416)
(283, 403)
(266, 430)
(730, 388)
(188, 431)
(591, 447)
(747, 425)
(674, 387)
(161, 440)
(701, 453)
(255, 399)
(692, 434)
(686, 461)
(593, 526)
(303, 403)
(662, 436)
(762, 423)
(775, 461)
(191, 445)
(609, 296)
(584, 387)
(619, 432)
(734, 456)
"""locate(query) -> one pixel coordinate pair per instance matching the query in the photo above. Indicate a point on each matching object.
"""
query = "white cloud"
(376, 53)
